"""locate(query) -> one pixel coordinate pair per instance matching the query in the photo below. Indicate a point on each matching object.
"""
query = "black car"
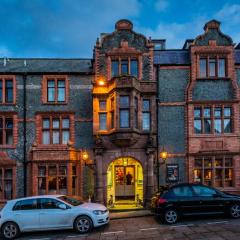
(193, 199)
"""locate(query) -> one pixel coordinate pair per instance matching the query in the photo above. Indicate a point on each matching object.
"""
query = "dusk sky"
(69, 28)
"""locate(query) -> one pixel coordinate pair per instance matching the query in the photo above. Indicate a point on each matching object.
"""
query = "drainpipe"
(24, 131)
(157, 100)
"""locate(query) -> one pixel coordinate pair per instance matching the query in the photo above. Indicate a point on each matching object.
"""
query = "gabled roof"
(172, 57)
(46, 65)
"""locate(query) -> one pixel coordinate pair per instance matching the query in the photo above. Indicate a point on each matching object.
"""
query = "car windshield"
(70, 200)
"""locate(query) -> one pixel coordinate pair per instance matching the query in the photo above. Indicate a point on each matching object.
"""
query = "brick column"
(99, 175)
(150, 174)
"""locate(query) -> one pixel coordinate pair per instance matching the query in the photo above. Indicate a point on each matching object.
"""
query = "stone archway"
(125, 183)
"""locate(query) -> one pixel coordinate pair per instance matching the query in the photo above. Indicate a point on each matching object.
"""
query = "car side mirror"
(62, 206)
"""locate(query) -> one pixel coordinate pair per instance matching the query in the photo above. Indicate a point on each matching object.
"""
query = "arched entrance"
(125, 184)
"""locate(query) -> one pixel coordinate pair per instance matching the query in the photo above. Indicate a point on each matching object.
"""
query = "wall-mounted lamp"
(85, 155)
(163, 156)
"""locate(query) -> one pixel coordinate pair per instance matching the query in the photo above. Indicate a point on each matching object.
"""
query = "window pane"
(203, 191)
(48, 203)
(62, 182)
(41, 186)
(8, 189)
(65, 123)
(9, 136)
(62, 170)
(207, 162)
(182, 192)
(217, 112)
(197, 175)
(197, 126)
(207, 112)
(227, 126)
(61, 94)
(8, 173)
(197, 112)
(207, 125)
(124, 67)
(146, 121)
(102, 105)
(0, 90)
(1, 123)
(74, 170)
(124, 101)
(203, 67)
(217, 126)
(46, 123)
(42, 171)
(212, 67)
(56, 123)
(65, 136)
(52, 185)
(102, 121)
(1, 136)
(221, 67)
(134, 68)
(46, 137)
(228, 162)
(29, 204)
(9, 123)
(146, 105)
(9, 91)
(61, 83)
(115, 68)
(227, 112)
(56, 137)
(124, 118)
(218, 162)
(198, 163)
(112, 119)
(51, 91)
(52, 171)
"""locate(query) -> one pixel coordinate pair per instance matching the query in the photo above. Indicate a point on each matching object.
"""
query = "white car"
(48, 212)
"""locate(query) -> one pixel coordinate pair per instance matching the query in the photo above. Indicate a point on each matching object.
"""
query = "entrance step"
(120, 206)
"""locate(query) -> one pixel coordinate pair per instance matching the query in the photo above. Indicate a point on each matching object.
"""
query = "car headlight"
(98, 212)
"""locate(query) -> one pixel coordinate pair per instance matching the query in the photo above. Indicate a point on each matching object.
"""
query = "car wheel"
(10, 230)
(171, 216)
(83, 224)
(235, 211)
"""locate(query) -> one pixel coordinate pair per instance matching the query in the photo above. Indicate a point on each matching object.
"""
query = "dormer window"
(212, 67)
(124, 66)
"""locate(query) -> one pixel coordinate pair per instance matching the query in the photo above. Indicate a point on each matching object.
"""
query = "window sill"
(8, 104)
(55, 103)
(212, 135)
(213, 78)
(7, 146)
(52, 146)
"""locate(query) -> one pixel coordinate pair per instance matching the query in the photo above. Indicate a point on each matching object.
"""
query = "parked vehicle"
(170, 204)
(48, 213)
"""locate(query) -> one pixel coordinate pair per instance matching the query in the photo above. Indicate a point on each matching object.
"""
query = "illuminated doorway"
(125, 183)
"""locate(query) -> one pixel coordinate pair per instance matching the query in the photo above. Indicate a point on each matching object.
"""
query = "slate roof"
(47, 65)
(237, 56)
(172, 57)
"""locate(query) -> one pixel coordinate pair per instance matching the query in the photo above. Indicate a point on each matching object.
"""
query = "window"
(203, 191)
(184, 191)
(49, 203)
(55, 89)
(124, 112)
(136, 112)
(212, 119)
(112, 113)
(55, 130)
(7, 90)
(102, 115)
(124, 66)
(214, 171)
(212, 67)
(28, 204)
(6, 183)
(6, 130)
(52, 179)
(146, 115)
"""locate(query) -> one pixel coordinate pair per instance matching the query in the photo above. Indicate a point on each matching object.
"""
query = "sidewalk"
(130, 214)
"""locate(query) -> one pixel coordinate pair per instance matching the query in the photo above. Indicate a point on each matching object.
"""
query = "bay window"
(102, 115)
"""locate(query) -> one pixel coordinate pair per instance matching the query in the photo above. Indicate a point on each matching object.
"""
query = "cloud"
(161, 5)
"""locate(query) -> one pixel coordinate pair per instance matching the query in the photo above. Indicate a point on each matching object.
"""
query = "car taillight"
(162, 201)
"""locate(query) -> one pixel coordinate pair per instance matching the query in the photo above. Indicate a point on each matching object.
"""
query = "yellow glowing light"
(101, 82)
(163, 155)
(125, 162)
(85, 155)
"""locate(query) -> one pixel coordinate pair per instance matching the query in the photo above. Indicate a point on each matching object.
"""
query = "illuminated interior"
(125, 183)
